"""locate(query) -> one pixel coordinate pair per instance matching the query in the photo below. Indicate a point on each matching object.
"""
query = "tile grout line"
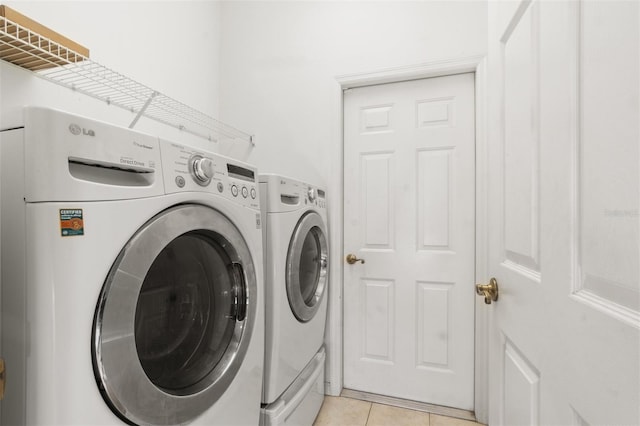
(368, 414)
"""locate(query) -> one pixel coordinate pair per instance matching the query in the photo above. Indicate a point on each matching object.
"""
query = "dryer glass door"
(307, 266)
(175, 317)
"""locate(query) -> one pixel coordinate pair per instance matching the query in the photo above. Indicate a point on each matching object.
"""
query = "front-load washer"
(296, 281)
(131, 278)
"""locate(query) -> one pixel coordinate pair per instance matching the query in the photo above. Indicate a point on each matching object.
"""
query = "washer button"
(234, 190)
(245, 192)
(253, 193)
(220, 187)
(180, 181)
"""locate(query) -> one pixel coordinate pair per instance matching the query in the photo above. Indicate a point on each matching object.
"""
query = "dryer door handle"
(240, 291)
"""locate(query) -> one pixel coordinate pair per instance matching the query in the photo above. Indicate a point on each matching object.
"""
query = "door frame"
(334, 337)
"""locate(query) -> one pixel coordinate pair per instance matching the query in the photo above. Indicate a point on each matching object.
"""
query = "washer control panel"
(190, 169)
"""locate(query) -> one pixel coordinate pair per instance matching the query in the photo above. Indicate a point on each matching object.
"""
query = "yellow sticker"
(71, 222)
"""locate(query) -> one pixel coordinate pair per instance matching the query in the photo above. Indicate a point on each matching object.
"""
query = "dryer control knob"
(202, 169)
(312, 194)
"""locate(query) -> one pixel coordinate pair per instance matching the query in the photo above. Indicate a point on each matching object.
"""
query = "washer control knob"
(234, 190)
(202, 169)
(312, 194)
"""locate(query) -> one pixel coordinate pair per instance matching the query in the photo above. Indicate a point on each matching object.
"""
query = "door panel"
(377, 191)
(410, 214)
(521, 388)
(608, 126)
(563, 209)
(521, 144)
(434, 190)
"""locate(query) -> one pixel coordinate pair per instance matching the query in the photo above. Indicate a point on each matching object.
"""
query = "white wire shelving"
(63, 66)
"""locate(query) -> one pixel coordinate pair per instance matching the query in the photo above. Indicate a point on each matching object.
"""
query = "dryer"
(296, 281)
(131, 278)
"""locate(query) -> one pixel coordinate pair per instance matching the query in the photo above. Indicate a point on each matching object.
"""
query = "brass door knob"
(351, 259)
(489, 291)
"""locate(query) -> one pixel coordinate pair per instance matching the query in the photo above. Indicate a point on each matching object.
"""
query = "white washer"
(131, 278)
(296, 274)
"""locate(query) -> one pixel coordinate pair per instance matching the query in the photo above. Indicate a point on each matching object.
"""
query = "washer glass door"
(174, 318)
(307, 266)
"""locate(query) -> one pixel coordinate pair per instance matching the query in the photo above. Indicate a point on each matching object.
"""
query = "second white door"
(410, 215)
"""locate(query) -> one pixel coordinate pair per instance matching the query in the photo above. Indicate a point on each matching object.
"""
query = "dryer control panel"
(190, 169)
(285, 194)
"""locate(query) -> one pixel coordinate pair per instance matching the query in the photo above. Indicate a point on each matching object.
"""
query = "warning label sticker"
(71, 222)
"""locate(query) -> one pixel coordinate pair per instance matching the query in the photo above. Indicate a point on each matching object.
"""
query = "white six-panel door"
(564, 221)
(410, 214)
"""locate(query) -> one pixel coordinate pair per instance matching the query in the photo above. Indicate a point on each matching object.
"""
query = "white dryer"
(131, 278)
(296, 281)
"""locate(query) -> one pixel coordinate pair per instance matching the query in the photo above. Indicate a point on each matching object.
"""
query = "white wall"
(170, 46)
(279, 63)
(266, 67)
(280, 60)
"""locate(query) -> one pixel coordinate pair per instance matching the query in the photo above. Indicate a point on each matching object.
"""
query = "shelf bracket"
(143, 109)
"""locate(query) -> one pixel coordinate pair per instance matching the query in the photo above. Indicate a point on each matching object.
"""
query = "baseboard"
(408, 404)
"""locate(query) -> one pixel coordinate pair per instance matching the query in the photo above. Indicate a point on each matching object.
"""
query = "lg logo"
(77, 130)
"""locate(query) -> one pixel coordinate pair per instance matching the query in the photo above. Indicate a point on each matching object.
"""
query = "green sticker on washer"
(71, 222)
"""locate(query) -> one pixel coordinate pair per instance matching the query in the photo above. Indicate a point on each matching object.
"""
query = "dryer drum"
(173, 321)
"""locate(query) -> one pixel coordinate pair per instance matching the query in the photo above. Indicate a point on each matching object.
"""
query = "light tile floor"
(341, 411)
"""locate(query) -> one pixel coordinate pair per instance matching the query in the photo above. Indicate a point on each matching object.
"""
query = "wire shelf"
(63, 66)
